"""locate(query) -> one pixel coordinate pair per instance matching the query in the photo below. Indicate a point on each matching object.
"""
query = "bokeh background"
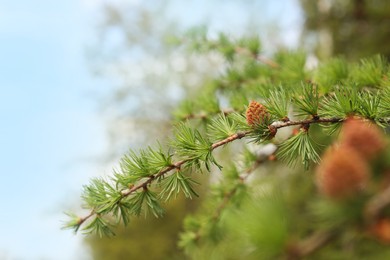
(83, 81)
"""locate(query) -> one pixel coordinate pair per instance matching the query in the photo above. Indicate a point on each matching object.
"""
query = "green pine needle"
(145, 202)
(384, 105)
(184, 110)
(186, 142)
(331, 73)
(158, 159)
(342, 103)
(73, 222)
(207, 102)
(307, 101)
(100, 195)
(122, 211)
(331, 129)
(176, 183)
(252, 44)
(298, 146)
(239, 120)
(236, 99)
(135, 166)
(291, 66)
(260, 134)
(369, 105)
(369, 72)
(277, 103)
(193, 147)
(98, 226)
(226, 47)
(221, 128)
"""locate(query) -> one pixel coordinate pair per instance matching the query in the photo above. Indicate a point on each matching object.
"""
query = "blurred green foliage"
(259, 219)
(352, 28)
(145, 237)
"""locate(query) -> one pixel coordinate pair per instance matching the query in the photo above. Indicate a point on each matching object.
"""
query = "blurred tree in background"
(353, 28)
(161, 68)
(141, 49)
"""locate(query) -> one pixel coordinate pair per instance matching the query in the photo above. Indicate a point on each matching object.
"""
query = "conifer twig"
(236, 136)
(231, 138)
(144, 184)
(177, 165)
(307, 122)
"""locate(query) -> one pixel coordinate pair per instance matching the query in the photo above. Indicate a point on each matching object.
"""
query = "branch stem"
(164, 171)
(278, 125)
(227, 140)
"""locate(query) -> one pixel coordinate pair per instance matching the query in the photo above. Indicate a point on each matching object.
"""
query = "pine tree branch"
(144, 184)
(85, 218)
(219, 209)
(282, 124)
(177, 165)
(236, 136)
(231, 138)
(278, 125)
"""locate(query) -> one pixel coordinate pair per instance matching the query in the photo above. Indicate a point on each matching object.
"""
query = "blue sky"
(51, 134)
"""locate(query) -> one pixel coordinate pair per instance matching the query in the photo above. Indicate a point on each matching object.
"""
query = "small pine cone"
(256, 114)
(381, 230)
(367, 139)
(342, 172)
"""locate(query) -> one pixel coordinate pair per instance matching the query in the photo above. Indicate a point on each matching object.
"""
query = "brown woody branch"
(236, 136)
(308, 122)
(177, 165)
